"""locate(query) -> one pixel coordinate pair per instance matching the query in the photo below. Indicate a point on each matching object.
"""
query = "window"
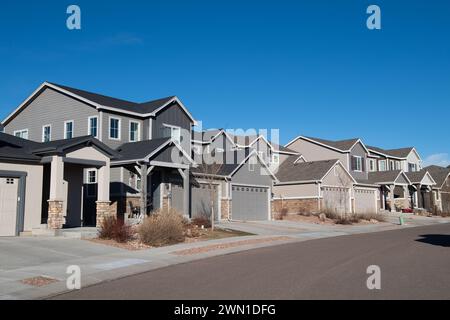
(397, 165)
(21, 133)
(114, 128)
(46, 133)
(411, 167)
(93, 126)
(372, 165)
(275, 158)
(357, 164)
(68, 129)
(382, 165)
(91, 176)
(391, 165)
(138, 183)
(134, 131)
(173, 132)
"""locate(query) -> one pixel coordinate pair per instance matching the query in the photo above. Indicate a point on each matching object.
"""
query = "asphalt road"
(414, 264)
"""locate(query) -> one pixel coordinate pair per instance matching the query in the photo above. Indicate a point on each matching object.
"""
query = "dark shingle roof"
(226, 168)
(382, 176)
(397, 153)
(289, 171)
(343, 145)
(139, 150)
(439, 174)
(146, 107)
(417, 176)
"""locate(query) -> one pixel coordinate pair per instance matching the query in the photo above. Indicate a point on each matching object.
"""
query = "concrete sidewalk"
(26, 257)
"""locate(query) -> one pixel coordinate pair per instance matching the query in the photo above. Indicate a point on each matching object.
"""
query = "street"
(414, 264)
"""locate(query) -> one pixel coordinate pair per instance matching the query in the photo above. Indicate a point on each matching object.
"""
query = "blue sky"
(305, 67)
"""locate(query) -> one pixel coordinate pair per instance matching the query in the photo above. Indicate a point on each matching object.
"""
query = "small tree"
(209, 172)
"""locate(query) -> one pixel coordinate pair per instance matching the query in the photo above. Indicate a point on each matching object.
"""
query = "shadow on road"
(442, 240)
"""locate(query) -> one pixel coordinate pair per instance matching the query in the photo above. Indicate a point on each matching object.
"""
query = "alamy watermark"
(73, 22)
(73, 281)
(374, 20)
(374, 280)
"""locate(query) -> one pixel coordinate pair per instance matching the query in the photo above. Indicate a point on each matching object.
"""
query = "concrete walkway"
(27, 257)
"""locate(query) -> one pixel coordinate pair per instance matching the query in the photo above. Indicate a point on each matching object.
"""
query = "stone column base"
(55, 219)
(225, 205)
(104, 211)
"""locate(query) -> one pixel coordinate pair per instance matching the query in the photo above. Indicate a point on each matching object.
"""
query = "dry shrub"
(162, 228)
(372, 216)
(202, 220)
(115, 229)
(282, 214)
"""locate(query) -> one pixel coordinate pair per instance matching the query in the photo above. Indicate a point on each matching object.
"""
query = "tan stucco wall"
(33, 193)
(88, 153)
(313, 152)
(296, 190)
(337, 177)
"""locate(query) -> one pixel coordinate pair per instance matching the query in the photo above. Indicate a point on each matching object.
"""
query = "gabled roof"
(439, 174)
(386, 177)
(400, 153)
(208, 136)
(12, 147)
(342, 146)
(144, 150)
(292, 171)
(99, 101)
(248, 141)
(418, 176)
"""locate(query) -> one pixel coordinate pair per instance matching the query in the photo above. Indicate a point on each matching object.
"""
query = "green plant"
(162, 228)
(115, 229)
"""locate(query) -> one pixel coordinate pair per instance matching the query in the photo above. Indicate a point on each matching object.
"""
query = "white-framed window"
(175, 133)
(114, 128)
(391, 165)
(68, 129)
(46, 133)
(382, 165)
(91, 176)
(21, 133)
(398, 165)
(135, 131)
(93, 126)
(275, 158)
(357, 164)
(372, 165)
(412, 167)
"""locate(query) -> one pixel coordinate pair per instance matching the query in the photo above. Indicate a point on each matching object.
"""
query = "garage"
(201, 200)
(365, 200)
(336, 200)
(11, 215)
(249, 203)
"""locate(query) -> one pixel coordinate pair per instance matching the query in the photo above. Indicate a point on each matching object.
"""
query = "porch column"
(144, 200)
(391, 197)
(186, 193)
(419, 196)
(56, 215)
(103, 202)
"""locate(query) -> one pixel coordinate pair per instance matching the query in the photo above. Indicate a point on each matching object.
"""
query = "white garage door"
(249, 203)
(8, 206)
(336, 200)
(365, 201)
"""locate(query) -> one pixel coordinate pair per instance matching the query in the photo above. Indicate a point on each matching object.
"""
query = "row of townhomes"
(70, 158)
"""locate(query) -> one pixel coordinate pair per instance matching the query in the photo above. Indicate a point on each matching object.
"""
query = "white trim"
(87, 176)
(138, 134)
(21, 131)
(171, 126)
(65, 128)
(150, 128)
(119, 133)
(96, 105)
(369, 161)
(250, 185)
(43, 132)
(325, 145)
(298, 159)
(89, 126)
(385, 165)
(296, 198)
(100, 126)
(360, 162)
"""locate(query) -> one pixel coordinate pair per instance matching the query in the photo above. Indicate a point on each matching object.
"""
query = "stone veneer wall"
(56, 219)
(225, 205)
(295, 206)
(104, 210)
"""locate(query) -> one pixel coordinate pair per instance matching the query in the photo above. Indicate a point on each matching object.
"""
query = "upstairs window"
(382, 165)
(46, 133)
(357, 163)
(114, 128)
(391, 165)
(68, 130)
(275, 158)
(372, 165)
(412, 167)
(398, 165)
(173, 132)
(21, 133)
(134, 131)
(93, 127)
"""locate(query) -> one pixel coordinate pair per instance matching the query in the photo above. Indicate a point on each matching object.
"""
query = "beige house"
(42, 184)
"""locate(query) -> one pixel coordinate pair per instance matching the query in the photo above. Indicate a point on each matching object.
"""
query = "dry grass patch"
(39, 281)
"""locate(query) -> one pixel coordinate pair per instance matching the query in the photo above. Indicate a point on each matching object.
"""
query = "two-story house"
(151, 142)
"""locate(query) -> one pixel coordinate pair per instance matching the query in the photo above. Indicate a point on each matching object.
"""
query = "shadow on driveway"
(442, 240)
